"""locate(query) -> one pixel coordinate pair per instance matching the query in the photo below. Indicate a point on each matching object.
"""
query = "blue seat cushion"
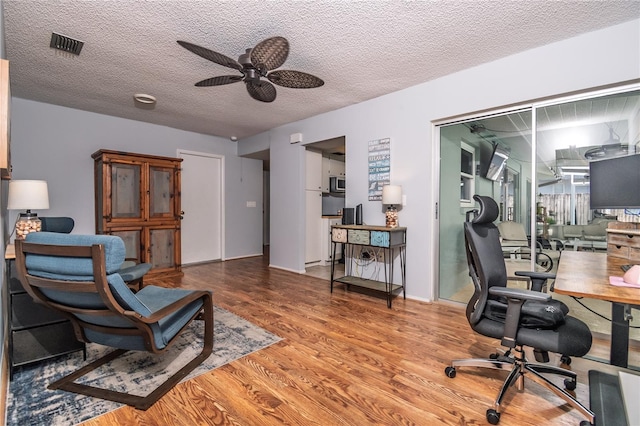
(164, 330)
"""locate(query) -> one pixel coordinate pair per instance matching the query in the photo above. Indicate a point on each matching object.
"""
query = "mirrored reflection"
(570, 136)
(588, 180)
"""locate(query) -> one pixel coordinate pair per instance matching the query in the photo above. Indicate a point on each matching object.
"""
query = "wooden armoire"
(137, 197)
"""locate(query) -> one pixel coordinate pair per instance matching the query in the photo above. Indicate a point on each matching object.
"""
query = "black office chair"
(518, 317)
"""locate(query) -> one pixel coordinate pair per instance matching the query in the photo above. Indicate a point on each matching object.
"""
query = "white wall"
(406, 117)
(55, 143)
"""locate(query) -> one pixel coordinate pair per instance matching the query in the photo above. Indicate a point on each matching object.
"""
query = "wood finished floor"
(345, 359)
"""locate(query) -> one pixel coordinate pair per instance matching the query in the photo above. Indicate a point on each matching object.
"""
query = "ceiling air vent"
(66, 44)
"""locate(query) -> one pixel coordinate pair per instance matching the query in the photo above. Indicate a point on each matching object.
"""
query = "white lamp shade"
(391, 194)
(28, 195)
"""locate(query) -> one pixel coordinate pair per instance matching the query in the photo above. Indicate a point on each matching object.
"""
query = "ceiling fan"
(261, 61)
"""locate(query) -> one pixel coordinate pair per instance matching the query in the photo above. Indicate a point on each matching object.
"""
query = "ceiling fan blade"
(294, 79)
(270, 54)
(219, 80)
(261, 90)
(216, 57)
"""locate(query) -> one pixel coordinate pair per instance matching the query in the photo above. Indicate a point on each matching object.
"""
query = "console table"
(389, 240)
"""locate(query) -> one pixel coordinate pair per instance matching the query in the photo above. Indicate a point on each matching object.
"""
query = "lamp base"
(391, 217)
(27, 223)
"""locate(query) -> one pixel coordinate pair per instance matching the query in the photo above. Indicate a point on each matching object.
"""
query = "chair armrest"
(175, 306)
(134, 272)
(538, 279)
(519, 294)
(515, 299)
(535, 274)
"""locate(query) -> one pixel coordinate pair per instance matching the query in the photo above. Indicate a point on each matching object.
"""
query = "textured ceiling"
(361, 50)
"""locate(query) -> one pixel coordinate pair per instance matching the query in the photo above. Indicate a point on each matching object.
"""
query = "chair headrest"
(113, 246)
(57, 224)
(488, 210)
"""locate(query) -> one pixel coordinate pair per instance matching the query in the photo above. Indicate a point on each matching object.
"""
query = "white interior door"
(202, 204)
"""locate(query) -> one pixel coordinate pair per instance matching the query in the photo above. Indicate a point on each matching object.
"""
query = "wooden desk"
(586, 274)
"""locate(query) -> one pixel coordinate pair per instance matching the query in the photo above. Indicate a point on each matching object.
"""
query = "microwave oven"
(337, 184)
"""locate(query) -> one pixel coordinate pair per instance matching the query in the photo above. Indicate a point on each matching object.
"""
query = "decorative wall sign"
(379, 167)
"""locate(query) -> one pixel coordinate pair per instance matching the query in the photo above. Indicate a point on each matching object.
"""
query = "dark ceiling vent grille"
(66, 44)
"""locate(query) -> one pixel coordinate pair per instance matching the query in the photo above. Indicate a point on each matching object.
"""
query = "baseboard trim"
(287, 269)
(242, 257)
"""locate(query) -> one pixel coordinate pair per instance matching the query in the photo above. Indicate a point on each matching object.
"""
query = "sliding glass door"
(487, 156)
(535, 163)
(571, 136)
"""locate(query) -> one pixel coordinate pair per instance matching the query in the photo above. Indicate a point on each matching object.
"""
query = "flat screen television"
(615, 183)
(498, 160)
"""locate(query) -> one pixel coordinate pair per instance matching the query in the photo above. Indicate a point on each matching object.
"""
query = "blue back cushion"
(74, 269)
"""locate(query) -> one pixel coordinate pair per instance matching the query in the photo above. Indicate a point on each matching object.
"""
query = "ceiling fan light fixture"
(255, 63)
(143, 98)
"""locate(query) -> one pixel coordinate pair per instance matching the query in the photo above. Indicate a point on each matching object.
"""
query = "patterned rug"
(31, 403)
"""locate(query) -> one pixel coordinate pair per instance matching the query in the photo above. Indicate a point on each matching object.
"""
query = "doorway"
(202, 206)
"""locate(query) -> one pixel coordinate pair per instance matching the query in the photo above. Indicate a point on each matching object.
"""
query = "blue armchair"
(78, 276)
(132, 272)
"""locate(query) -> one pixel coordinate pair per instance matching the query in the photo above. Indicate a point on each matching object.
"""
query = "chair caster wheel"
(450, 372)
(493, 417)
(586, 423)
(494, 356)
(570, 384)
(565, 360)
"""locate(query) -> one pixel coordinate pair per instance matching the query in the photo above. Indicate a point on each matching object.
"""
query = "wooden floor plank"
(345, 359)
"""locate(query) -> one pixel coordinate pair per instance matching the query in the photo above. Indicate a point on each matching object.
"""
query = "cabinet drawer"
(628, 240)
(36, 344)
(618, 251)
(25, 312)
(358, 236)
(339, 235)
(634, 254)
(379, 238)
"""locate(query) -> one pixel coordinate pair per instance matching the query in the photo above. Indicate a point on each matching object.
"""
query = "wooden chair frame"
(33, 286)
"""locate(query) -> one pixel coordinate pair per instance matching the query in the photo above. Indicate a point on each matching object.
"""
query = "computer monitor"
(615, 183)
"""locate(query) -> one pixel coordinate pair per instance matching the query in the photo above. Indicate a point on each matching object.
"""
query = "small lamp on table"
(27, 195)
(391, 197)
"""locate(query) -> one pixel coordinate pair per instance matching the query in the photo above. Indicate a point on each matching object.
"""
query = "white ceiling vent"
(66, 44)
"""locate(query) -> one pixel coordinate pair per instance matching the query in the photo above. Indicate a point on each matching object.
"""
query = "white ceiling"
(361, 50)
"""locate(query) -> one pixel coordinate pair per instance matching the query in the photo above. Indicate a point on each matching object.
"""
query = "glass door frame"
(533, 106)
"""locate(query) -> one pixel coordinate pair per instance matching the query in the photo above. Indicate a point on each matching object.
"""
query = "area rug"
(31, 403)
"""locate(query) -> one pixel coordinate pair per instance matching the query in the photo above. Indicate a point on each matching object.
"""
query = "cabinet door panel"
(125, 191)
(161, 192)
(162, 248)
(132, 242)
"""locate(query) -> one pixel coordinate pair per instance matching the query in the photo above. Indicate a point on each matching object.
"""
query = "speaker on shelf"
(348, 216)
(359, 214)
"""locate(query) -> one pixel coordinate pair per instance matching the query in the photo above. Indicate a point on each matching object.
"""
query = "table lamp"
(27, 195)
(391, 196)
